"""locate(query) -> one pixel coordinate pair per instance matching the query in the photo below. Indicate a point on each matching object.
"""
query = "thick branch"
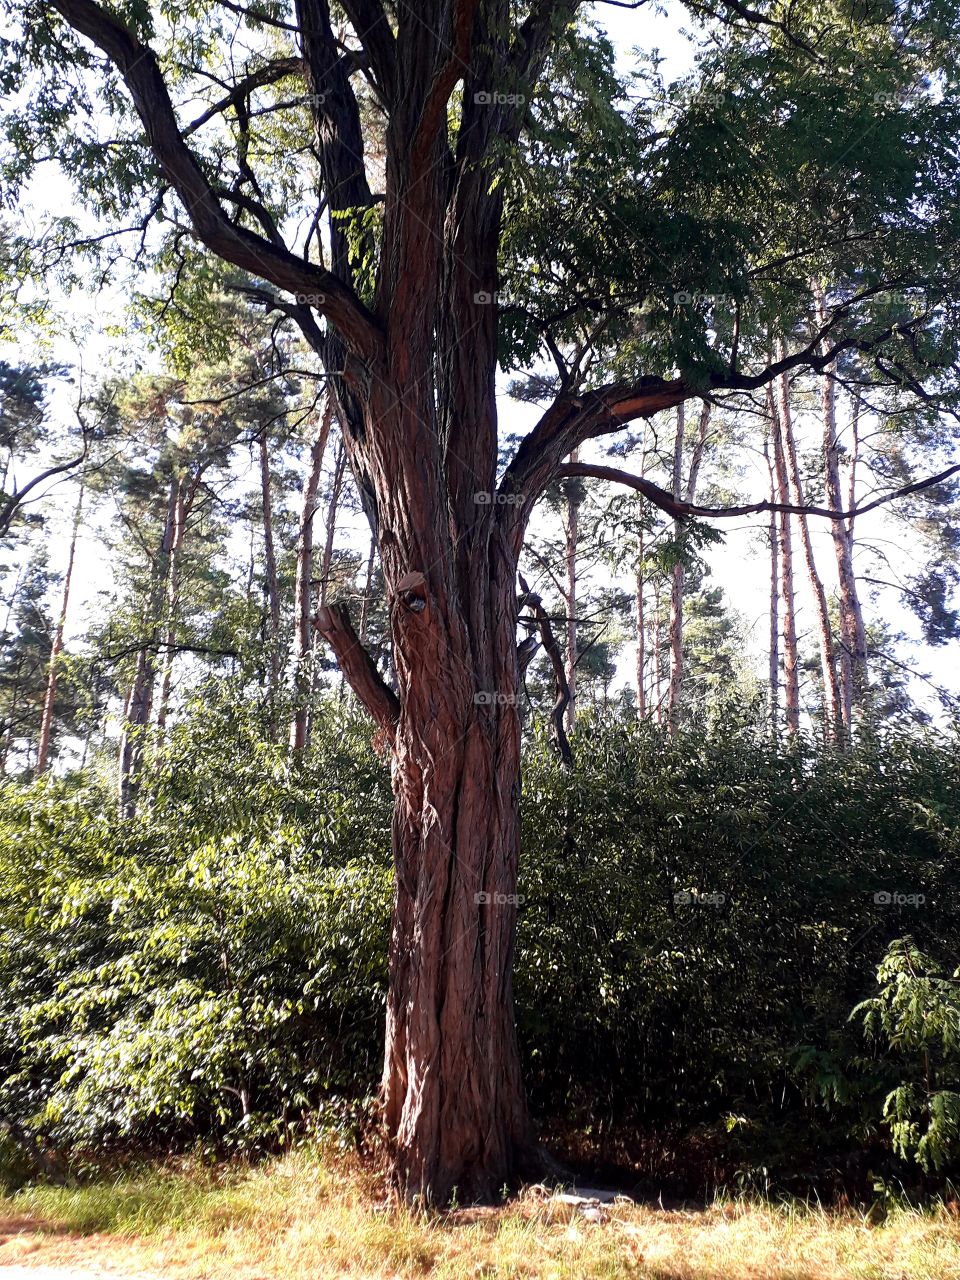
(587, 415)
(333, 623)
(138, 66)
(370, 26)
(685, 510)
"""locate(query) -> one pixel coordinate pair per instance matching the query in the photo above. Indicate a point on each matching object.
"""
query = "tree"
(615, 235)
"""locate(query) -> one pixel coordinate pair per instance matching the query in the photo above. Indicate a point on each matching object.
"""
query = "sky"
(740, 565)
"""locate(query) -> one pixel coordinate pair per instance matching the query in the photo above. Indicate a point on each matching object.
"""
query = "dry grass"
(317, 1219)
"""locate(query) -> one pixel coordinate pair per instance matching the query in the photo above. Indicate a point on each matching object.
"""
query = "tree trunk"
(453, 1096)
(273, 584)
(139, 703)
(790, 655)
(641, 644)
(773, 676)
(333, 503)
(828, 659)
(367, 591)
(173, 601)
(676, 585)
(657, 680)
(853, 639)
(571, 532)
(326, 560)
(302, 631)
(49, 701)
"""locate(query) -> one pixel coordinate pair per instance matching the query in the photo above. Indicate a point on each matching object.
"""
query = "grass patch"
(317, 1218)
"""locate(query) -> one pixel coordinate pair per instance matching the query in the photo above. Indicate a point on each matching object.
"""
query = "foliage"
(698, 918)
(916, 1017)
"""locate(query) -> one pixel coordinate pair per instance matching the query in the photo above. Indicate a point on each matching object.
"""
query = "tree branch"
(333, 623)
(137, 65)
(685, 510)
(370, 26)
(532, 601)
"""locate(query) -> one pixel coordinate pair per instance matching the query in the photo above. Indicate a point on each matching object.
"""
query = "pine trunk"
(173, 606)
(572, 532)
(50, 698)
(641, 645)
(139, 704)
(302, 631)
(273, 584)
(773, 676)
(676, 585)
(791, 678)
(828, 658)
(853, 640)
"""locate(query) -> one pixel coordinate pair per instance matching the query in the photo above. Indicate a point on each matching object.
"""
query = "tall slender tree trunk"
(269, 541)
(657, 679)
(853, 638)
(330, 531)
(676, 584)
(828, 658)
(50, 698)
(641, 642)
(302, 630)
(326, 558)
(368, 591)
(184, 501)
(139, 704)
(773, 674)
(791, 678)
(572, 533)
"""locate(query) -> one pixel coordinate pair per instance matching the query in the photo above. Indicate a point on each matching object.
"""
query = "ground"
(312, 1218)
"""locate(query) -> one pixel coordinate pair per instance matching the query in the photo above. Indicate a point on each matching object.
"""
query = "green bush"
(216, 966)
(698, 920)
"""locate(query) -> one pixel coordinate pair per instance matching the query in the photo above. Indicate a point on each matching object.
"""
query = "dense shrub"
(699, 919)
